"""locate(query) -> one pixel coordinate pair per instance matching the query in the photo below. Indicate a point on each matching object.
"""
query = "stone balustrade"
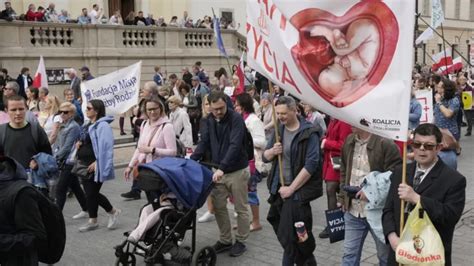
(105, 48)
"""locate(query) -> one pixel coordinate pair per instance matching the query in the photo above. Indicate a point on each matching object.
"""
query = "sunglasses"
(426, 146)
(152, 109)
(63, 112)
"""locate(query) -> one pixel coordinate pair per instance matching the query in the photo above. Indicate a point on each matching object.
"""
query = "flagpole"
(277, 133)
(444, 47)
(404, 180)
(444, 40)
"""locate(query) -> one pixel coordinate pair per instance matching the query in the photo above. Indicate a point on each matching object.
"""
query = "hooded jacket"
(102, 139)
(22, 230)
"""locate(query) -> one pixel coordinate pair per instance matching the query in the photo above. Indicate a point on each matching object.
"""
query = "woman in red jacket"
(331, 145)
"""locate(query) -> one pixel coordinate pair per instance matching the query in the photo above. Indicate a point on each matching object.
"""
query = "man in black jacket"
(22, 231)
(225, 137)
(290, 202)
(440, 190)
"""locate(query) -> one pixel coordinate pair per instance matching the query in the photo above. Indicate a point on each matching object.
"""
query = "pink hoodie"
(164, 141)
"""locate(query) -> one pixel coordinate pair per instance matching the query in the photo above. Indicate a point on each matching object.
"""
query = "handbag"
(81, 169)
(420, 243)
(448, 142)
(335, 224)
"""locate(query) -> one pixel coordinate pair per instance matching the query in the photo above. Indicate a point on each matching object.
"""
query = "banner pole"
(277, 133)
(404, 179)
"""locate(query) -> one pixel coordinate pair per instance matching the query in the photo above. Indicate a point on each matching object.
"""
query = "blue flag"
(217, 34)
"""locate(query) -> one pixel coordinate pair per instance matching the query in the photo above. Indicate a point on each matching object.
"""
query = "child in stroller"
(180, 187)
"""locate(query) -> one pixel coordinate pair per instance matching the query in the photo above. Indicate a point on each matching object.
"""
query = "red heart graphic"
(344, 58)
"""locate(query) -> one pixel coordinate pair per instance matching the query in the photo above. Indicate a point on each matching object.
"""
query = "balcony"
(105, 48)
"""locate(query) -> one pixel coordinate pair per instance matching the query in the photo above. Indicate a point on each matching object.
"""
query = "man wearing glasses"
(440, 189)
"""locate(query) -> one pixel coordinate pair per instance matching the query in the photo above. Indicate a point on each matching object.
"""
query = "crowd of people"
(214, 118)
(96, 15)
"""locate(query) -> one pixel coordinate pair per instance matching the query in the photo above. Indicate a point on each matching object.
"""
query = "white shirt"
(93, 15)
(426, 171)
(25, 82)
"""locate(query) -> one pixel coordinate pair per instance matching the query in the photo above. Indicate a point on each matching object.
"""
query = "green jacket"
(383, 155)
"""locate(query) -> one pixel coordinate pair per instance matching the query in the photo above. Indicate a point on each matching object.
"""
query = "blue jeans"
(450, 158)
(356, 230)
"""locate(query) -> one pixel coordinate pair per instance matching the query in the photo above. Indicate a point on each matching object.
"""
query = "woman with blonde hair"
(180, 120)
(157, 138)
(49, 119)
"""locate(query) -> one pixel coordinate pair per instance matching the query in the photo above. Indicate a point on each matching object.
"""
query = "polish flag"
(455, 66)
(443, 58)
(240, 73)
(40, 80)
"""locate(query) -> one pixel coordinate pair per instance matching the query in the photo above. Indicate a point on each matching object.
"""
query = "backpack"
(34, 134)
(53, 221)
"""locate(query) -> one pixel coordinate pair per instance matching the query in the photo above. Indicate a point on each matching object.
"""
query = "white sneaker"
(81, 215)
(235, 214)
(88, 227)
(206, 217)
(113, 219)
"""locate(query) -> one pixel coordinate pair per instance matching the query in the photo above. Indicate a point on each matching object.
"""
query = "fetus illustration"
(344, 57)
(355, 55)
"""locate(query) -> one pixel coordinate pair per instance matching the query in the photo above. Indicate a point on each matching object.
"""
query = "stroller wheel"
(206, 257)
(126, 259)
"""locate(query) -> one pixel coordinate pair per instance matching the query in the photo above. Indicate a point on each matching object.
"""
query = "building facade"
(458, 30)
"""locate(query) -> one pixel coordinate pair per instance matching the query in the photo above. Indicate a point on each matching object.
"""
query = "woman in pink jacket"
(157, 137)
(331, 145)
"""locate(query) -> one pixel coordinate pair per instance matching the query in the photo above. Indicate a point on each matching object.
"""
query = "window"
(471, 10)
(454, 51)
(440, 47)
(228, 16)
(457, 10)
(427, 8)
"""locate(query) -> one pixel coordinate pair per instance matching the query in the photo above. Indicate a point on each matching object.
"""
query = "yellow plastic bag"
(420, 243)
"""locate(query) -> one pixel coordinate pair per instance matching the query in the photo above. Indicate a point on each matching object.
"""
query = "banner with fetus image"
(349, 59)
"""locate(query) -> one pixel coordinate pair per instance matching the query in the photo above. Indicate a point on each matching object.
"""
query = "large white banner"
(118, 90)
(425, 98)
(349, 59)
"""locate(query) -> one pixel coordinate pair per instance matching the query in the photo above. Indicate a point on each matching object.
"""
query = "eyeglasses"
(152, 109)
(63, 112)
(426, 146)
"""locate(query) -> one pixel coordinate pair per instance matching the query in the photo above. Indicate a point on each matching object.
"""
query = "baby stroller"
(183, 185)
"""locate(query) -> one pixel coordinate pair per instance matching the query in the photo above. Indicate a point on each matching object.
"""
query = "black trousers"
(68, 180)
(195, 128)
(95, 198)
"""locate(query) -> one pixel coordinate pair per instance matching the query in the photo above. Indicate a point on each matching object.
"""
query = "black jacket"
(225, 141)
(22, 231)
(21, 83)
(443, 195)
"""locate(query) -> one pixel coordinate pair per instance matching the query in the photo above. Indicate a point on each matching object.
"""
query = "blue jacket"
(47, 169)
(415, 113)
(103, 145)
(375, 187)
(68, 135)
(304, 154)
(225, 141)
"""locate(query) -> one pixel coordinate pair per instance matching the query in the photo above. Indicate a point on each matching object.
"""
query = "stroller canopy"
(187, 179)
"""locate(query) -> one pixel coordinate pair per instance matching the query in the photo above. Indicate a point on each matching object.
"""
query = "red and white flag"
(443, 58)
(240, 73)
(40, 80)
(455, 66)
